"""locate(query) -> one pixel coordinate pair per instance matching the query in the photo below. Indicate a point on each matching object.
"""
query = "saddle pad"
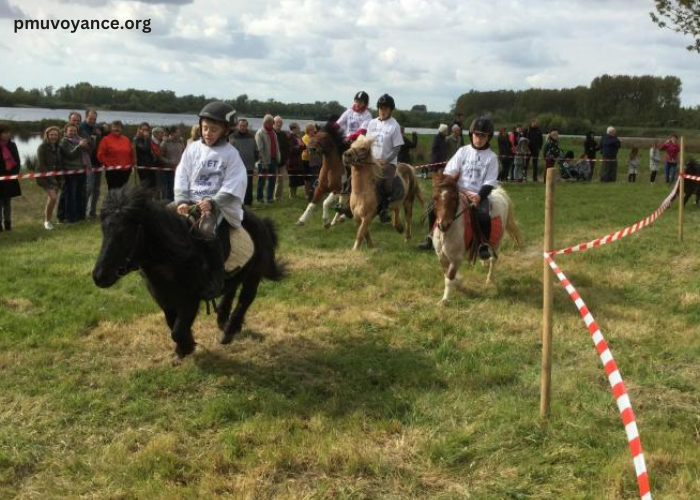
(496, 225)
(242, 248)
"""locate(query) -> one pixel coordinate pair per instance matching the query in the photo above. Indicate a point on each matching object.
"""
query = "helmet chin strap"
(485, 146)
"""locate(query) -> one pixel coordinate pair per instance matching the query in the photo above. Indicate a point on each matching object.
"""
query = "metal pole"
(547, 298)
(681, 190)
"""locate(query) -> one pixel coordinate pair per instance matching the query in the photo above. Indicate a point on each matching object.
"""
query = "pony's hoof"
(326, 225)
(300, 223)
(176, 360)
(442, 302)
(226, 338)
(399, 228)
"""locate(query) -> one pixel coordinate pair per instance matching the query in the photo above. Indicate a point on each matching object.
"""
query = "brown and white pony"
(453, 234)
(327, 142)
(366, 172)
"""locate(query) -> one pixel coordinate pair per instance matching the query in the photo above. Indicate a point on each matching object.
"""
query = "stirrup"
(485, 251)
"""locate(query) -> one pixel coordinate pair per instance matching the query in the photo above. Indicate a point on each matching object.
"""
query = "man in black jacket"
(408, 144)
(534, 135)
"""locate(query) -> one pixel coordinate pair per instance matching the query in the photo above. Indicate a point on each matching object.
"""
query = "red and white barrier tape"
(690, 177)
(622, 233)
(615, 378)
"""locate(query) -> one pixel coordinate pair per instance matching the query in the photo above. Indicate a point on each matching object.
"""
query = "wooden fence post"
(547, 298)
(681, 189)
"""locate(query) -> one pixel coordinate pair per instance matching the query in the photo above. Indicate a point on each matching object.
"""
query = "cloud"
(8, 11)
(102, 3)
(419, 51)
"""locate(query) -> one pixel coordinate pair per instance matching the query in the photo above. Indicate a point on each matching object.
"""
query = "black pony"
(142, 234)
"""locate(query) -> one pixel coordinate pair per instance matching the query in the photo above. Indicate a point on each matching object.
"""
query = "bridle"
(458, 213)
(131, 264)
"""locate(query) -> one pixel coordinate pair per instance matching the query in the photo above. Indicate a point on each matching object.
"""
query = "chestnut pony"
(329, 143)
(366, 172)
(453, 236)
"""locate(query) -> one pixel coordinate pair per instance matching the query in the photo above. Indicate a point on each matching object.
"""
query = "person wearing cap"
(353, 122)
(387, 140)
(212, 177)
(475, 166)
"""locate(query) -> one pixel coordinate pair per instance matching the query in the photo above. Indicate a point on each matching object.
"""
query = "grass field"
(348, 381)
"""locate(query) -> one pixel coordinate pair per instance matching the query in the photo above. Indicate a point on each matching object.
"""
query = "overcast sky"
(419, 51)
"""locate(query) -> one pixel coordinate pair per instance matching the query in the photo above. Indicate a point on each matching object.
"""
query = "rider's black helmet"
(482, 125)
(220, 112)
(362, 96)
(386, 100)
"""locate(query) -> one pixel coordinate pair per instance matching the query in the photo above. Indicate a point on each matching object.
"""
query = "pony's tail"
(414, 191)
(273, 269)
(512, 226)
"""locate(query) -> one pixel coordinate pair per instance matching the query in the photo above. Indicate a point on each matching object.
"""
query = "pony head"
(121, 235)
(360, 152)
(445, 200)
(327, 140)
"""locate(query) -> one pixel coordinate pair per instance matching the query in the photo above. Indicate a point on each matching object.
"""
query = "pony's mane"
(335, 133)
(162, 224)
(447, 182)
(362, 142)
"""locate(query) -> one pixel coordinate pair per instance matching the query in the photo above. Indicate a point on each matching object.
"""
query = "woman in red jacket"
(671, 162)
(116, 150)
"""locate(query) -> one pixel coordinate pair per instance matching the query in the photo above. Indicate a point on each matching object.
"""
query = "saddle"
(397, 190)
(473, 233)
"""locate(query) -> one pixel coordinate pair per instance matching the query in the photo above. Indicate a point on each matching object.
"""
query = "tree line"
(642, 101)
(632, 101)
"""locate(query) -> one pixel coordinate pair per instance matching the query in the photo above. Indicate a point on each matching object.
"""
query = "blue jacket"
(609, 146)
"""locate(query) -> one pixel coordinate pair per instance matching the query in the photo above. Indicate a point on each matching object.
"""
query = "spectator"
(75, 118)
(522, 153)
(90, 131)
(195, 135)
(244, 142)
(513, 138)
(270, 156)
(654, 160)
(459, 121)
(294, 166)
(590, 147)
(534, 136)
(48, 160)
(75, 155)
(171, 150)
(116, 151)
(671, 161)
(386, 132)
(609, 147)
(157, 138)
(438, 151)
(354, 120)
(633, 165)
(567, 169)
(552, 153)
(145, 156)
(408, 145)
(283, 143)
(453, 142)
(584, 166)
(311, 165)
(505, 155)
(9, 165)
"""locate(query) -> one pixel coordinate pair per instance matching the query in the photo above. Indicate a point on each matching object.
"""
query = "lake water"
(28, 147)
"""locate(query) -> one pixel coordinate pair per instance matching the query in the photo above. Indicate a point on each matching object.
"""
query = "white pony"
(453, 236)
